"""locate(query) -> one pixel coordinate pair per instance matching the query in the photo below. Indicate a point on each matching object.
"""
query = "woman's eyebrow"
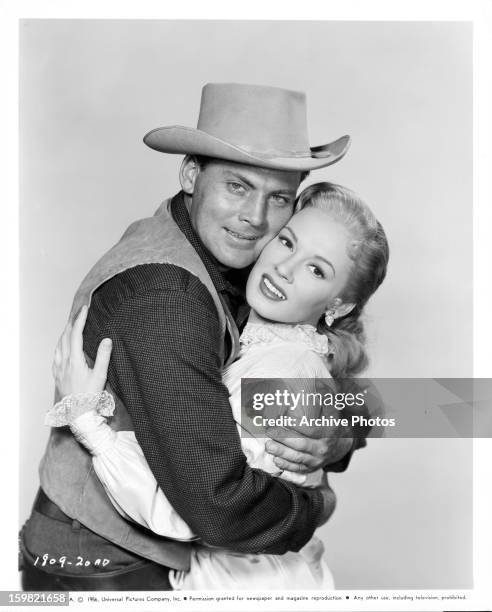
(328, 263)
(291, 232)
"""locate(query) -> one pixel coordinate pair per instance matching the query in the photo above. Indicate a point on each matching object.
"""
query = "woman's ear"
(338, 309)
(188, 174)
(343, 309)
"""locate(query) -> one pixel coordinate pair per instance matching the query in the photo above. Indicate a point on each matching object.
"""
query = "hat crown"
(266, 120)
(250, 124)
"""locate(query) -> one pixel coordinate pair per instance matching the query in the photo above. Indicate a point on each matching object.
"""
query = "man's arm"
(304, 453)
(166, 369)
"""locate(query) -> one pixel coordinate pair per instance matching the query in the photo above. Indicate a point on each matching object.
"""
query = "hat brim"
(189, 141)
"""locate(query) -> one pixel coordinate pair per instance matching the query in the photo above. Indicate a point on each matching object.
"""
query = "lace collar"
(269, 333)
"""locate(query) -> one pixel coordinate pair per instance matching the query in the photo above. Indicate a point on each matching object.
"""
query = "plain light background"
(91, 89)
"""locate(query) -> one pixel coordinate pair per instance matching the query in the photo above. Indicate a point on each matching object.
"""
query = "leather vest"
(66, 472)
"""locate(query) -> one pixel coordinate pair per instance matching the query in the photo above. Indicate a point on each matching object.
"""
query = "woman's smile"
(270, 290)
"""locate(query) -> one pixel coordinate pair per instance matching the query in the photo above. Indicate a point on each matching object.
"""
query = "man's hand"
(305, 453)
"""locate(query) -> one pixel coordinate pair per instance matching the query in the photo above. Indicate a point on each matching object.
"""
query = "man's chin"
(236, 260)
(238, 265)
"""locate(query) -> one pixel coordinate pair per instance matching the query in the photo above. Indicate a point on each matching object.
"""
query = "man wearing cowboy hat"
(169, 294)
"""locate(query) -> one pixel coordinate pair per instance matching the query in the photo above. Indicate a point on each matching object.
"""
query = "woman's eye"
(316, 271)
(285, 241)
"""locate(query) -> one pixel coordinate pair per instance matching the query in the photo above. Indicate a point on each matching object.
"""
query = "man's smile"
(240, 236)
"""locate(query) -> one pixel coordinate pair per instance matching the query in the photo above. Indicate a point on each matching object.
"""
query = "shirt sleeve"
(126, 477)
(166, 369)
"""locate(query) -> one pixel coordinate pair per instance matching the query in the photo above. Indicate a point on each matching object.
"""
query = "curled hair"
(369, 253)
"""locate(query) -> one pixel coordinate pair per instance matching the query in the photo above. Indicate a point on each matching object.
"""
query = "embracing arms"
(166, 369)
(118, 459)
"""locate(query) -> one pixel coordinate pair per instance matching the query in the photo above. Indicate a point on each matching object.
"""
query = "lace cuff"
(71, 406)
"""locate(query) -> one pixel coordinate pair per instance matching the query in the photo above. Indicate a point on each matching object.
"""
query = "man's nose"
(254, 211)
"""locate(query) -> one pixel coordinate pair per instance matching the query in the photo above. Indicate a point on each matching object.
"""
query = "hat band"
(274, 153)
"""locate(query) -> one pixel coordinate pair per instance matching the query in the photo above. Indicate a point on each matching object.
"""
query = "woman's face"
(302, 270)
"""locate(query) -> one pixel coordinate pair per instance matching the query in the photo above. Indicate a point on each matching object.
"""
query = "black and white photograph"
(204, 201)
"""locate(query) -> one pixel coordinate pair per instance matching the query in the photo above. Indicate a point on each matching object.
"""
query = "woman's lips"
(270, 289)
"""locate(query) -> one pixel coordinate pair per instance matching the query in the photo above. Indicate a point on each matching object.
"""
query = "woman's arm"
(118, 459)
(126, 477)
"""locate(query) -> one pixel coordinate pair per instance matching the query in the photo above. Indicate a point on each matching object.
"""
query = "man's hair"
(203, 161)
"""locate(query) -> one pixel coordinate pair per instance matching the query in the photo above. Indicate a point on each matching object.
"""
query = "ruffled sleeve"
(71, 406)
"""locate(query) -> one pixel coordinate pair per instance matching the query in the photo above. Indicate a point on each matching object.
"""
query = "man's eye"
(286, 241)
(280, 200)
(315, 271)
(236, 188)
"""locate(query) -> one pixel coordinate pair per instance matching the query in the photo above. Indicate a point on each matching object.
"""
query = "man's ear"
(188, 174)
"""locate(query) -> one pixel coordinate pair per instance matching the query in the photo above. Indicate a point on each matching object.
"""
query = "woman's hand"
(70, 370)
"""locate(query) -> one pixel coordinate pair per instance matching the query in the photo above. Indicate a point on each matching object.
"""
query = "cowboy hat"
(250, 124)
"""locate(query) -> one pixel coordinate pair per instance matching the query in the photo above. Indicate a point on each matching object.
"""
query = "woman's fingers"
(64, 343)
(76, 337)
(70, 369)
(57, 360)
(102, 361)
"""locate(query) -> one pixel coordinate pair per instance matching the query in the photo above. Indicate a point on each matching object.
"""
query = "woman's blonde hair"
(369, 252)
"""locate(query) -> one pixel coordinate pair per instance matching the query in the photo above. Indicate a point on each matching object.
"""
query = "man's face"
(237, 209)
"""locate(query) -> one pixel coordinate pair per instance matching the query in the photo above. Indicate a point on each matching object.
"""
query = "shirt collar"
(229, 281)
